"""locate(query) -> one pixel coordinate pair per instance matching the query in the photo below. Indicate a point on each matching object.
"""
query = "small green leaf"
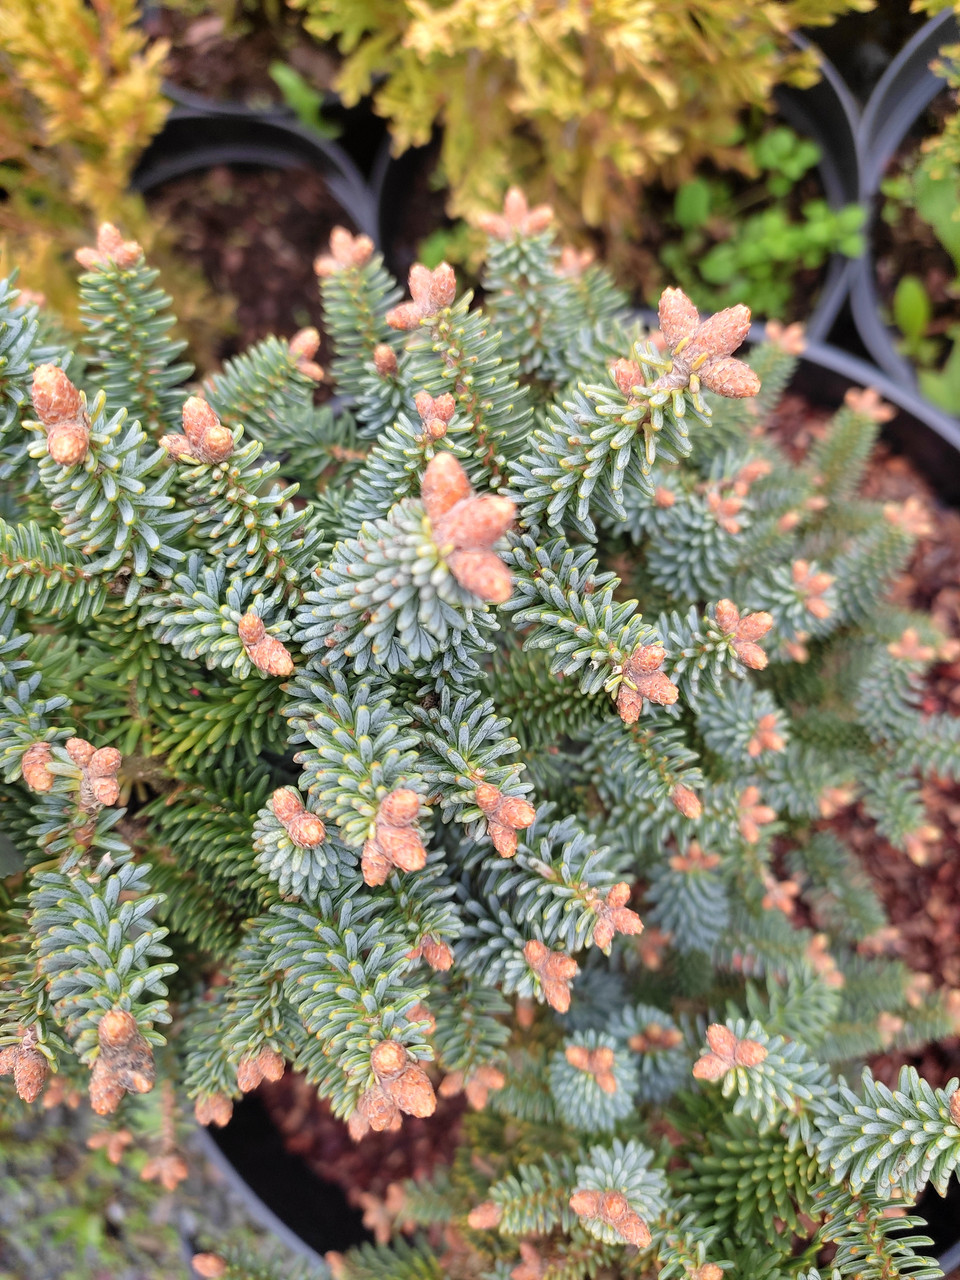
(302, 99)
(911, 308)
(691, 205)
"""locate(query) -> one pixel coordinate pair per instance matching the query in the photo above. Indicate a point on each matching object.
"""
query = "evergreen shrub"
(473, 732)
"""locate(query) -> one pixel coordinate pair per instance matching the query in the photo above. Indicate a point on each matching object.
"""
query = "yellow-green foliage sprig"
(582, 103)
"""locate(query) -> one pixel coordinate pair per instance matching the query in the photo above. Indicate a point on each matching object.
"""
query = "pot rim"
(241, 136)
(903, 91)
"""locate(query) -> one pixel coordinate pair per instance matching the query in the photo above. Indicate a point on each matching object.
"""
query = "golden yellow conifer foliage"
(80, 99)
(583, 102)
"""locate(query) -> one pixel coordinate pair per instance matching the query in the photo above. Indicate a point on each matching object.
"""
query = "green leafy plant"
(583, 104)
(930, 188)
(724, 251)
(338, 738)
(303, 99)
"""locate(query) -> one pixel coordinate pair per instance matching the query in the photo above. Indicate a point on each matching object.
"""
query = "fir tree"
(508, 703)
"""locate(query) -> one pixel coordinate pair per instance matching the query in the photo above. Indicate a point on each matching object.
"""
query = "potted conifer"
(416, 796)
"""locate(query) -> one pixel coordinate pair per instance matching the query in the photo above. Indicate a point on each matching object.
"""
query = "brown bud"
(555, 970)
(485, 1216)
(400, 807)
(30, 1069)
(445, 483)
(111, 247)
(34, 767)
(265, 652)
(374, 864)
(754, 626)
(483, 574)
(751, 655)
(664, 498)
(505, 816)
(516, 812)
(305, 343)
(687, 802)
(430, 291)
(286, 803)
(955, 1108)
(168, 1169)
(443, 286)
(125, 1062)
(198, 416)
(249, 1075)
(709, 1271)
(104, 761)
(68, 443)
(729, 377)
(105, 791)
(443, 407)
(750, 1053)
(214, 1108)
(595, 1062)
(271, 1063)
(726, 1053)
(385, 360)
(642, 678)
(614, 916)
(475, 525)
(403, 846)
(209, 1265)
(379, 1110)
(55, 398)
(626, 374)
(346, 250)
(413, 1093)
(80, 751)
(437, 954)
(117, 1028)
(357, 1124)
(677, 315)
(388, 1058)
(727, 615)
(517, 219)
(204, 437)
(305, 829)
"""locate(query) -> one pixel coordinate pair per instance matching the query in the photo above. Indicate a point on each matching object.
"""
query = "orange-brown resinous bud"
(466, 526)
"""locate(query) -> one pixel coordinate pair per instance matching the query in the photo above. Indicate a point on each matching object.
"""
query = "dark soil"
(254, 233)
(231, 63)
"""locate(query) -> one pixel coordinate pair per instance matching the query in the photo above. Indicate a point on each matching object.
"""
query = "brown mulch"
(254, 234)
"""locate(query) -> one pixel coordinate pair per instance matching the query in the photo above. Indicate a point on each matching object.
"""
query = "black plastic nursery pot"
(251, 200)
(195, 138)
(279, 1190)
(900, 98)
(827, 114)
